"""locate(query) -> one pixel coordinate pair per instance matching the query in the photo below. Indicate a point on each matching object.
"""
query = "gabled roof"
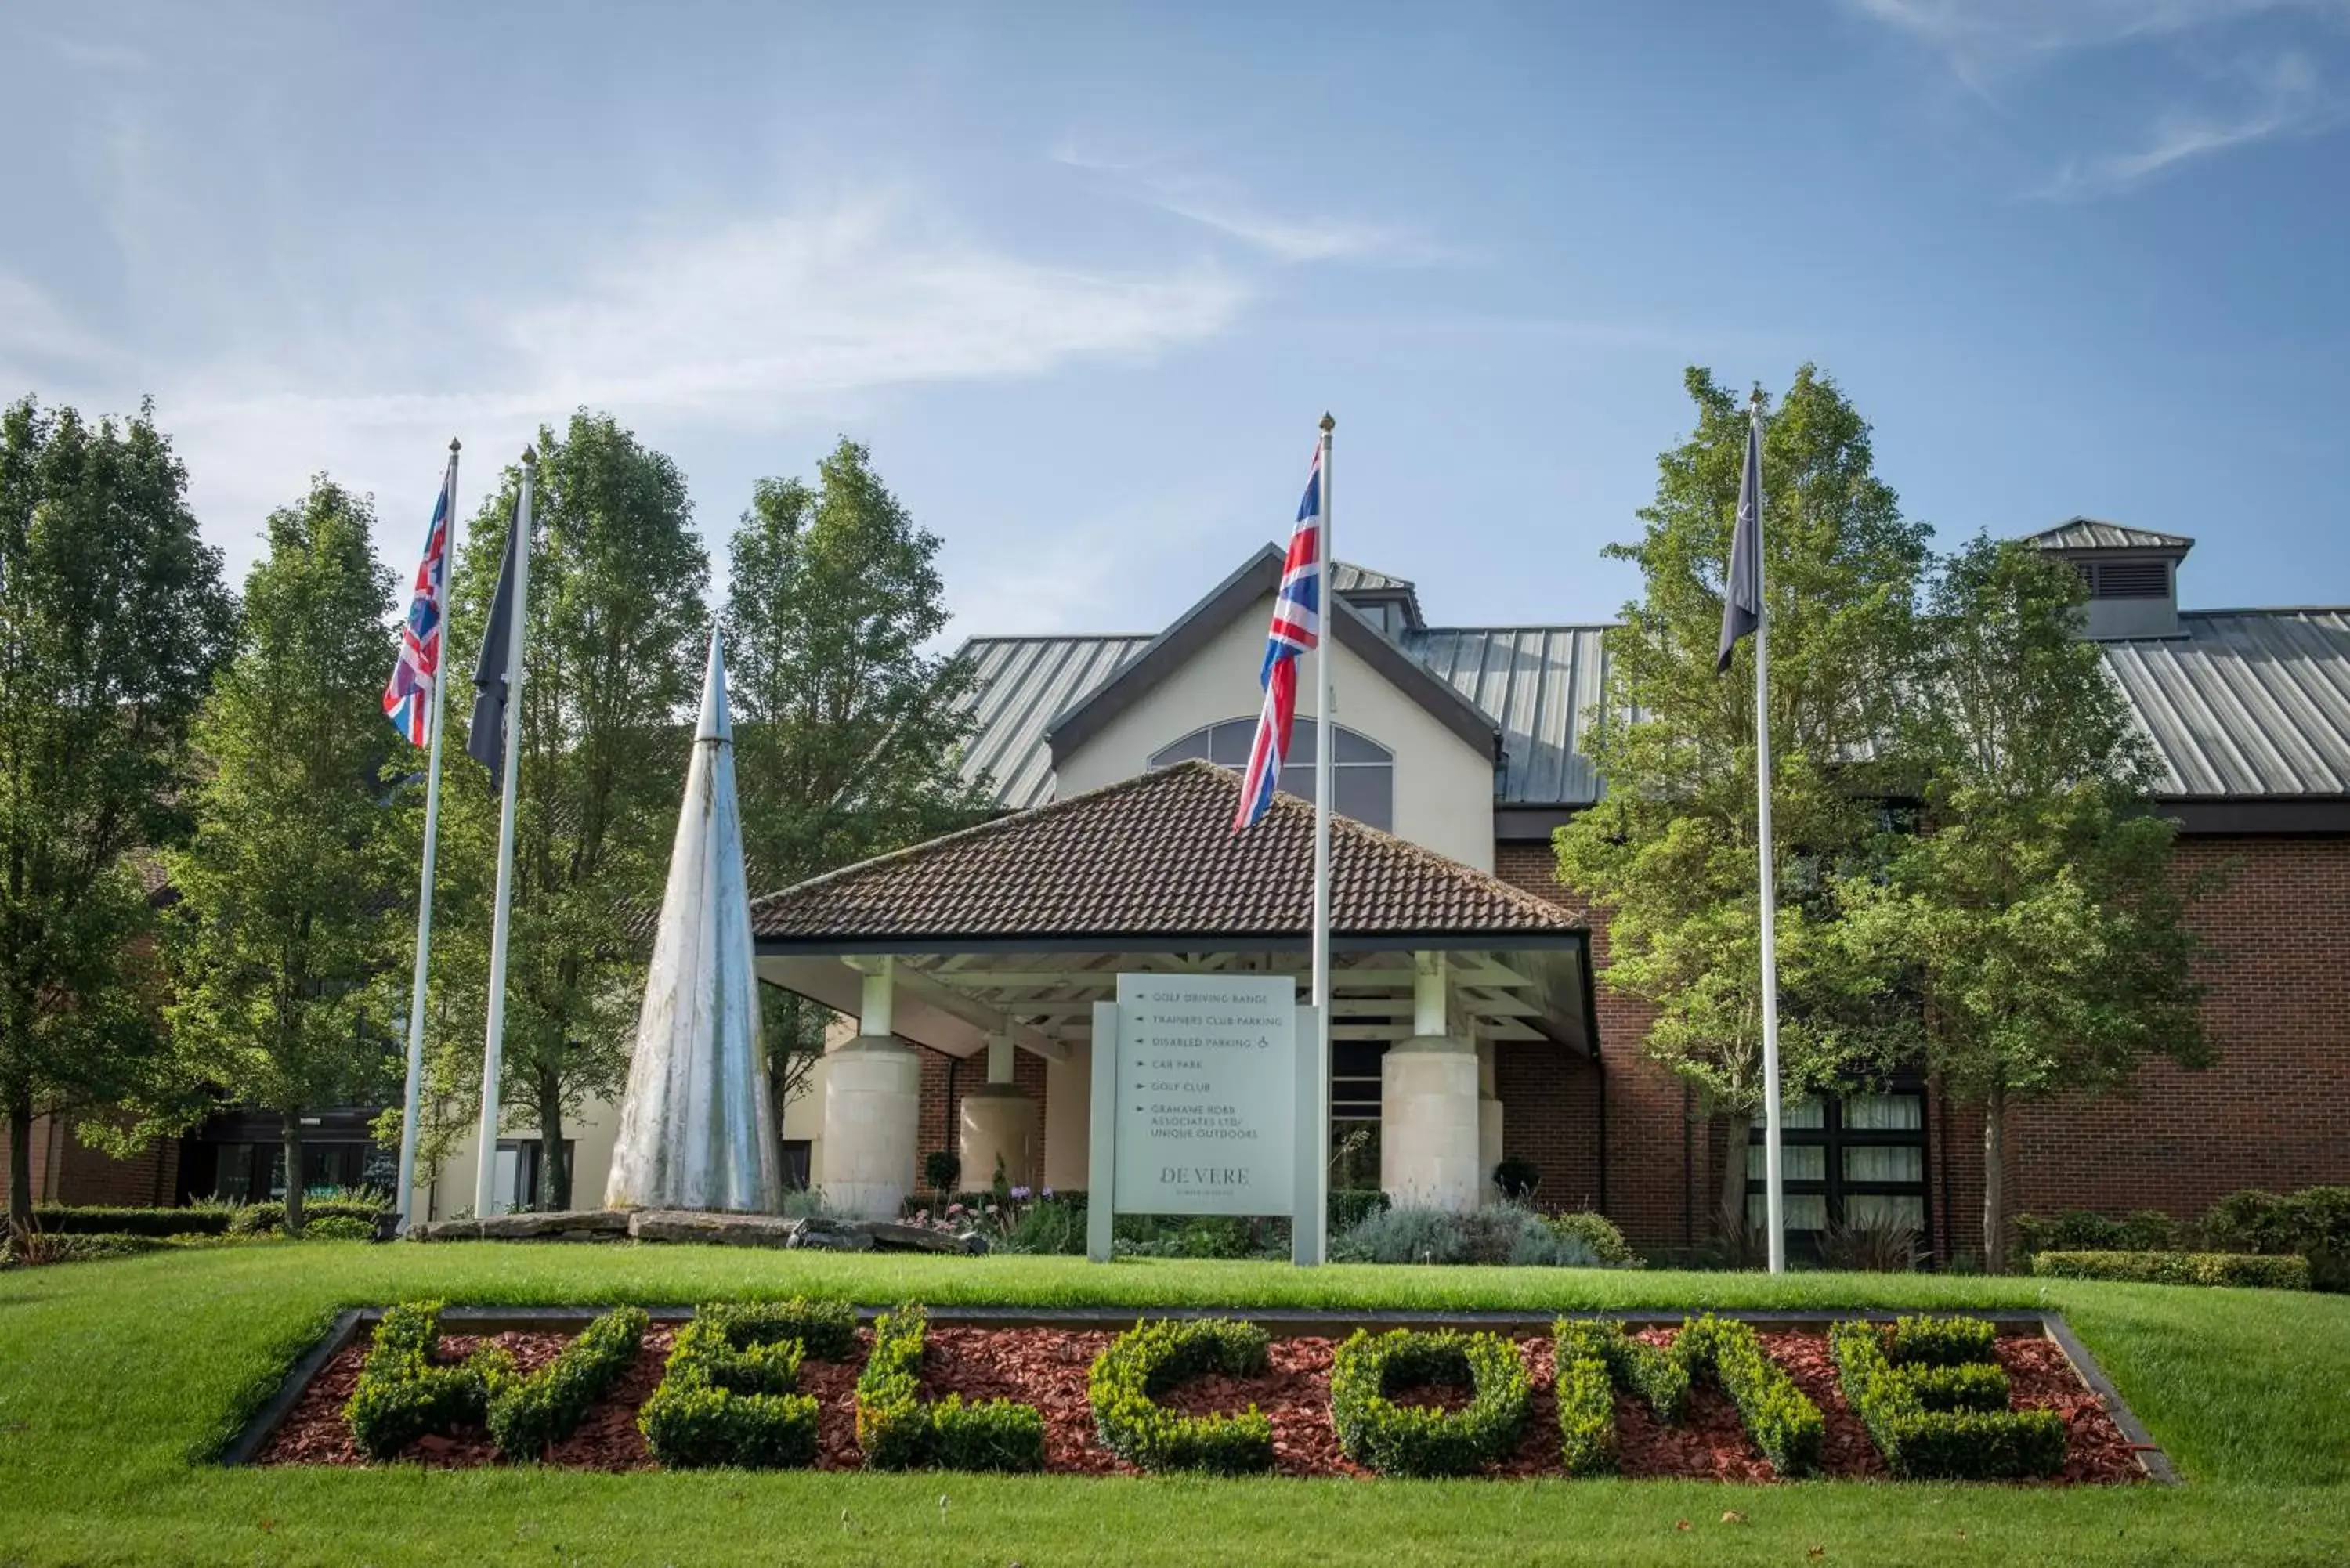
(1256, 579)
(1152, 856)
(2244, 703)
(2095, 533)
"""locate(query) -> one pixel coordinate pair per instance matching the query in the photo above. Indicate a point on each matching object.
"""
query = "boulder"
(562, 1225)
(717, 1228)
(892, 1238)
(832, 1236)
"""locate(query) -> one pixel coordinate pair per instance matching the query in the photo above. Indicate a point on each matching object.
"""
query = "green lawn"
(116, 1379)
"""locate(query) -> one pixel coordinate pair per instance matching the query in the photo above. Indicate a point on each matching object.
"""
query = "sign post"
(1196, 1086)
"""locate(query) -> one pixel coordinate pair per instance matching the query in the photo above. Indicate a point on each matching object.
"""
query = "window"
(1362, 770)
(799, 1153)
(517, 1173)
(1860, 1161)
(1354, 1112)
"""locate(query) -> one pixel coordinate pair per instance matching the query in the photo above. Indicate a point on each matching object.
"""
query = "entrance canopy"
(1018, 926)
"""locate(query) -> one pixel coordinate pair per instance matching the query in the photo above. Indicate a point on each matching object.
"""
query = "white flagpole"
(1773, 1195)
(1313, 1206)
(414, 1104)
(485, 1174)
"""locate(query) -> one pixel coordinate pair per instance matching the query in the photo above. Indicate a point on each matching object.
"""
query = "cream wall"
(1443, 786)
(592, 1131)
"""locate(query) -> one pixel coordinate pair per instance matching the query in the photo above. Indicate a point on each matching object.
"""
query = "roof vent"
(2130, 580)
(2132, 574)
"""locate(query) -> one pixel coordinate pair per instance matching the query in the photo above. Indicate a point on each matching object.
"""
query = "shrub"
(1350, 1206)
(1150, 1358)
(941, 1169)
(97, 1220)
(2078, 1231)
(41, 1246)
(1418, 1440)
(2313, 1222)
(526, 1414)
(1597, 1233)
(1049, 1225)
(2251, 1269)
(339, 1227)
(1779, 1420)
(730, 1395)
(404, 1393)
(267, 1218)
(825, 1330)
(898, 1431)
(1935, 1403)
(1515, 1180)
(1879, 1245)
(1502, 1233)
(1595, 1359)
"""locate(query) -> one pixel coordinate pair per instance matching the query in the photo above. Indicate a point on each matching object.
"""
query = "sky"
(1083, 277)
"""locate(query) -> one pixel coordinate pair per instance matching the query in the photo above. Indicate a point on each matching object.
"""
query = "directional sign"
(1207, 1087)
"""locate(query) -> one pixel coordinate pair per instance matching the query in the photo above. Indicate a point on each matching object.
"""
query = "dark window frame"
(1834, 1137)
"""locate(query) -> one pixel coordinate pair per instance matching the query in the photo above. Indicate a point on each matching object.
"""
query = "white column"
(872, 1105)
(1429, 1126)
(998, 1121)
(1488, 1124)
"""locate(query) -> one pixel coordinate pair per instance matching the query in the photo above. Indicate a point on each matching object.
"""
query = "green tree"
(612, 663)
(1669, 855)
(112, 619)
(2035, 912)
(850, 735)
(282, 919)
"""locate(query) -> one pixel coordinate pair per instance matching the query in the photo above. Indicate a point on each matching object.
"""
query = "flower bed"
(1048, 1368)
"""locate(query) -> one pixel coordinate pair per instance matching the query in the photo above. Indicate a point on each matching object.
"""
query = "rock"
(892, 1238)
(831, 1239)
(563, 1225)
(717, 1228)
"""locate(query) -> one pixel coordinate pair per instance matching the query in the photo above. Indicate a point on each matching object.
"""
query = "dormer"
(2131, 573)
(1390, 604)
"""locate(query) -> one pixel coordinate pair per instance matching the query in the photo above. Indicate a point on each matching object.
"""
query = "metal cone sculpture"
(697, 1127)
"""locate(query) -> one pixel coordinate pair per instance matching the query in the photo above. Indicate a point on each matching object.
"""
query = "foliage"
(98, 1219)
(1126, 1381)
(2249, 1269)
(895, 1430)
(941, 1169)
(848, 735)
(112, 620)
(1350, 1206)
(1595, 1358)
(281, 921)
(729, 1394)
(2313, 1222)
(1421, 1439)
(1597, 1233)
(265, 1219)
(403, 1393)
(2033, 911)
(526, 1414)
(1515, 1180)
(1935, 1403)
(614, 652)
(27, 1249)
(2077, 1230)
(1053, 1224)
(1670, 855)
(1498, 1233)
(339, 1227)
(1881, 1244)
(1780, 1419)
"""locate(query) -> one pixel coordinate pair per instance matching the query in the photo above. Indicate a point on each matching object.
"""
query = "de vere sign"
(1195, 1080)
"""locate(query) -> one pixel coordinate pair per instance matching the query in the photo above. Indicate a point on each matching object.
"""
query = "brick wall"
(67, 1171)
(941, 1116)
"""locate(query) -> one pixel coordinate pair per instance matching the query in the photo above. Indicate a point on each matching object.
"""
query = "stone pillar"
(998, 1120)
(872, 1107)
(1429, 1124)
(1489, 1125)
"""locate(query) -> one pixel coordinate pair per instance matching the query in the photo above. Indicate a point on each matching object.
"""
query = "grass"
(117, 1380)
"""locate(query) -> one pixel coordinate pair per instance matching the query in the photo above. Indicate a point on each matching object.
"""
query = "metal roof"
(1540, 684)
(2244, 703)
(1023, 684)
(2095, 534)
(1350, 578)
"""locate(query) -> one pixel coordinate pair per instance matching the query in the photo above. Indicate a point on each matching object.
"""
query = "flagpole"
(412, 1105)
(485, 1173)
(1314, 1207)
(1773, 1195)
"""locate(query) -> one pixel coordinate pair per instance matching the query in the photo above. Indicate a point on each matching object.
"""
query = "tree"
(282, 915)
(612, 662)
(1669, 855)
(850, 736)
(112, 618)
(2034, 911)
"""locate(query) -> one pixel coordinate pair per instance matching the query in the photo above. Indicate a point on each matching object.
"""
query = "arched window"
(1362, 772)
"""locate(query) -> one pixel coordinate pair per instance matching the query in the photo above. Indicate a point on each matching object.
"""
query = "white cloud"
(34, 329)
(1986, 37)
(2287, 100)
(1291, 237)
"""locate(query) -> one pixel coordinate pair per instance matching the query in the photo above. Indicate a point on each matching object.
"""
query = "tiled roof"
(2244, 703)
(1149, 857)
(2095, 533)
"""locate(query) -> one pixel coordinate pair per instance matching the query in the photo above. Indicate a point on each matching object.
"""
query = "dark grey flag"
(1741, 604)
(485, 737)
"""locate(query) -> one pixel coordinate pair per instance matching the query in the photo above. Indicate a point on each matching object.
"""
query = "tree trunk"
(554, 1181)
(1730, 1203)
(1994, 1211)
(20, 1164)
(291, 1121)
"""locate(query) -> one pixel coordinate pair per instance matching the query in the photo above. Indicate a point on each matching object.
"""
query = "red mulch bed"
(1047, 1367)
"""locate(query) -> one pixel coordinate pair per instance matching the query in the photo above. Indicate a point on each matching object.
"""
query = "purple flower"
(1047, 1192)
(1021, 1193)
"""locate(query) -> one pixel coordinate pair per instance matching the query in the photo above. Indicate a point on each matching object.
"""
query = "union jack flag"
(1296, 626)
(408, 696)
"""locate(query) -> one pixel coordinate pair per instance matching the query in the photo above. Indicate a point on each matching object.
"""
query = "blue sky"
(1083, 277)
